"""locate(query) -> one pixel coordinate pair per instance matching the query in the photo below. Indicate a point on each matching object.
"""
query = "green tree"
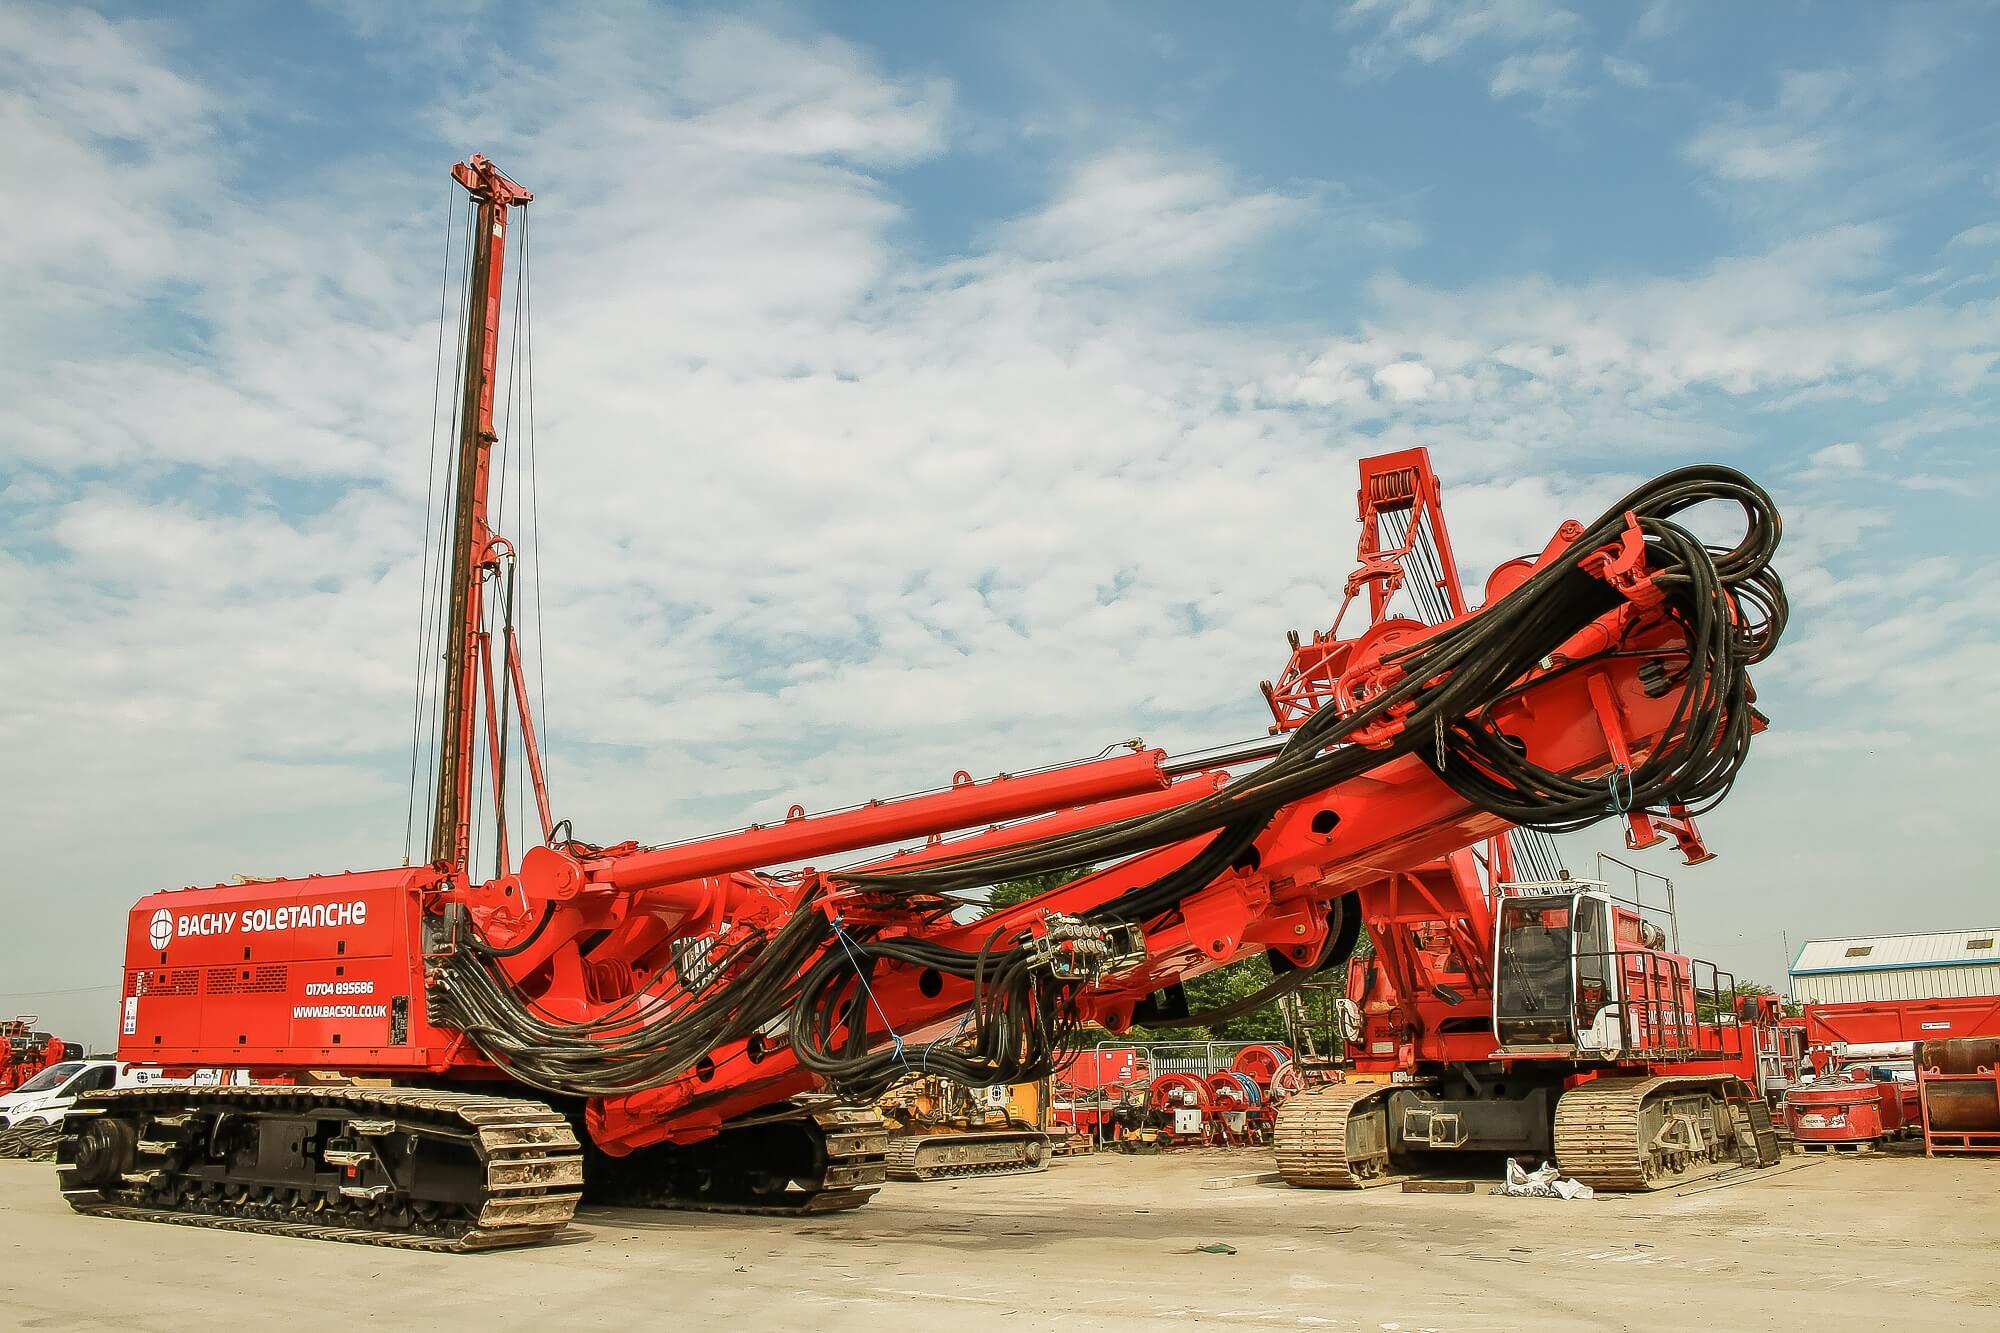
(1013, 891)
(1212, 990)
(1226, 986)
(1707, 1007)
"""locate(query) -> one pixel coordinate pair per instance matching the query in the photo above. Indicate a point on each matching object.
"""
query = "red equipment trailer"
(1829, 1027)
(687, 1009)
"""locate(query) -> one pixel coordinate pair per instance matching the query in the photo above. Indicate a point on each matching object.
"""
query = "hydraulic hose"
(813, 976)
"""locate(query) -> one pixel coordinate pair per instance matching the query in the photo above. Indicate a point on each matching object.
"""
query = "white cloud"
(134, 141)
(1793, 140)
(1660, 18)
(1432, 30)
(1406, 381)
(1986, 233)
(1836, 456)
(1759, 153)
(1540, 74)
(1927, 481)
(1530, 44)
(1140, 213)
(1802, 314)
(1628, 73)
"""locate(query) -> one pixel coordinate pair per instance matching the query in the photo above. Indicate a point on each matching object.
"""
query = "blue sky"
(934, 387)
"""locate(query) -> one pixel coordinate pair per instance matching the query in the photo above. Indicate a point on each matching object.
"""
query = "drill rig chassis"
(695, 1025)
(1617, 1134)
(1546, 1019)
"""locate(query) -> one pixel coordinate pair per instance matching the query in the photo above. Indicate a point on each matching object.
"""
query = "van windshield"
(52, 1077)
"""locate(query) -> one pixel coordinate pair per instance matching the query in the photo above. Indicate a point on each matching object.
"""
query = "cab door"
(1599, 1013)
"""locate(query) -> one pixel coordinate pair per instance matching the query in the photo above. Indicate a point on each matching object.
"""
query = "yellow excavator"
(939, 1130)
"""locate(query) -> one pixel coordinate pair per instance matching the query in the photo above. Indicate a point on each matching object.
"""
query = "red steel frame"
(1957, 1092)
(1400, 482)
(476, 551)
(1879, 1022)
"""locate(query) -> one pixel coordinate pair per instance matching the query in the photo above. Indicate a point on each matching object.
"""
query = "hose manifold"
(1070, 949)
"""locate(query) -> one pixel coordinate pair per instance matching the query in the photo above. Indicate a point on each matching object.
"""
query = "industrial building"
(1935, 965)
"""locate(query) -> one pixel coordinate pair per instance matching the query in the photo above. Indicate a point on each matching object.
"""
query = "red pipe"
(1063, 821)
(529, 744)
(495, 760)
(966, 804)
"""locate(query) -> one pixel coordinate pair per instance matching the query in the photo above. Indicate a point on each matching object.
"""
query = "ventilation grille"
(163, 981)
(263, 979)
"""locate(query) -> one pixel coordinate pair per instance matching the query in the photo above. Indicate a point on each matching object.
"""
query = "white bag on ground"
(1544, 1182)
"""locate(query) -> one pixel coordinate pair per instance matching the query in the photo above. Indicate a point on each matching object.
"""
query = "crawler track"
(825, 1158)
(997, 1152)
(1636, 1134)
(1335, 1137)
(404, 1167)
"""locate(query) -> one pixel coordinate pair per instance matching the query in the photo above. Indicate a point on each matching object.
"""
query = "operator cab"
(1558, 945)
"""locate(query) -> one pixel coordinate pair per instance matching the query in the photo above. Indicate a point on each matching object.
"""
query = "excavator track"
(408, 1168)
(1637, 1134)
(994, 1152)
(854, 1142)
(1335, 1138)
(826, 1158)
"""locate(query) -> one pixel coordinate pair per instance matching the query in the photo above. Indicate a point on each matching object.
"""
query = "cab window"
(1533, 999)
(52, 1077)
(93, 1080)
(1593, 961)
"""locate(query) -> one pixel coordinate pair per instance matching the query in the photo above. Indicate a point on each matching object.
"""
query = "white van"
(43, 1099)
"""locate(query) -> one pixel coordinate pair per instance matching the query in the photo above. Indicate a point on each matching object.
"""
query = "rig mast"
(474, 547)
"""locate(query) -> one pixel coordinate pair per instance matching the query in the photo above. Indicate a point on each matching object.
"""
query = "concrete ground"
(1097, 1242)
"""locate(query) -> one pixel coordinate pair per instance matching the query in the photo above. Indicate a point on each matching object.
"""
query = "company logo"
(297, 916)
(161, 929)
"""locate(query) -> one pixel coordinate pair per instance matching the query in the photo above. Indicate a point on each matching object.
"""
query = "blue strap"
(964, 1021)
(861, 977)
(1621, 802)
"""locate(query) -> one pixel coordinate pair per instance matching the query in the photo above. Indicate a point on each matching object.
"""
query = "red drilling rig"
(1541, 1015)
(712, 1019)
